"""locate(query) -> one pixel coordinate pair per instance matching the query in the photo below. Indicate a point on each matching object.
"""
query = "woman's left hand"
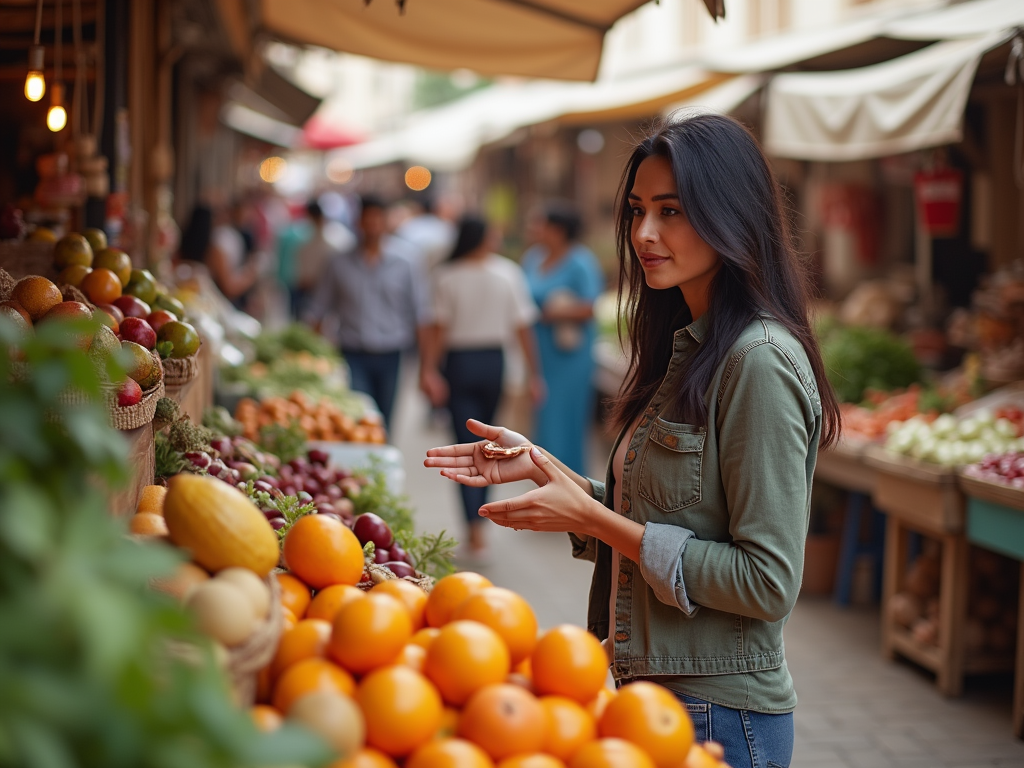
(560, 505)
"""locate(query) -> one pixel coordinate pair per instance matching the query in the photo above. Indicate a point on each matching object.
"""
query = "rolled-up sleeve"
(585, 547)
(662, 551)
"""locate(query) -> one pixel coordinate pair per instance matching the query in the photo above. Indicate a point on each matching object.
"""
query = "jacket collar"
(698, 329)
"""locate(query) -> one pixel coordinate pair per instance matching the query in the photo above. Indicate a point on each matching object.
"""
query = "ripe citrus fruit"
(449, 724)
(505, 720)
(369, 633)
(569, 661)
(307, 676)
(36, 295)
(306, 640)
(649, 715)
(610, 753)
(402, 709)
(506, 613)
(294, 594)
(148, 524)
(152, 499)
(569, 726)
(596, 706)
(536, 760)
(287, 617)
(367, 757)
(411, 596)
(700, 756)
(449, 753)
(267, 718)
(465, 657)
(412, 656)
(102, 286)
(327, 602)
(117, 261)
(97, 238)
(449, 593)
(73, 248)
(322, 552)
(73, 274)
(333, 716)
(425, 637)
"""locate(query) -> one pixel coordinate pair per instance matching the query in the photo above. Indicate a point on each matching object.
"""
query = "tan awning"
(911, 102)
(534, 38)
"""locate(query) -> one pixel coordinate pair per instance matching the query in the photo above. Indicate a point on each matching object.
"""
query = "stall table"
(141, 464)
(995, 521)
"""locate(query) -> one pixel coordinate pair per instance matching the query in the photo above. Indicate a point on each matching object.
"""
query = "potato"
(223, 612)
(256, 592)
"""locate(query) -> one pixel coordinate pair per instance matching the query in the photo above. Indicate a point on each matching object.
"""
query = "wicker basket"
(7, 284)
(246, 660)
(134, 416)
(179, 371)
(27, 258)
(379, 573)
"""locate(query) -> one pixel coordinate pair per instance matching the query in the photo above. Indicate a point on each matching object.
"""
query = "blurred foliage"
(432, 89)
(858, 359)
(85, 674)
(296, 337)
(286, 441)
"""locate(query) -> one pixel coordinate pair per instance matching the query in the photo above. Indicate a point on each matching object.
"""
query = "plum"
(371, 527)
(317, 456)
(400, 569)
(381, 556)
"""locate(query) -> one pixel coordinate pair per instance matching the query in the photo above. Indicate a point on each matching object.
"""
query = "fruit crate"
(27, 258)
(843, 466)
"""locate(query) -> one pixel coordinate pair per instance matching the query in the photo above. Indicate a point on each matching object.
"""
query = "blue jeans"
(751, 739)
(376, 374)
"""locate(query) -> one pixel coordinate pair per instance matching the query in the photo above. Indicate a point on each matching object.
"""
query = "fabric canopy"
(534, 38)
(972, 19)
(911, 102)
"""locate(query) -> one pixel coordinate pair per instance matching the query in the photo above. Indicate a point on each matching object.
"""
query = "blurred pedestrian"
(697, 532)
(481, 302)
(431, 234)
(312, 259)
(290, 239)
(565, 279)
(212, 239)
(373, 301)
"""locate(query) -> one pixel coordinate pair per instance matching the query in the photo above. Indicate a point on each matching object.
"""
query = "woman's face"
(666, 244)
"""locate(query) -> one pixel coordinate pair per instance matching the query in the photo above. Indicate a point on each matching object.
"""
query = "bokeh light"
(590, 141)
(339, 170)
(417, 178)
(272, 169)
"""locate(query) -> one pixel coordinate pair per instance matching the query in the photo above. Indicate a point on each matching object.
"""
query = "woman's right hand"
(466, 463)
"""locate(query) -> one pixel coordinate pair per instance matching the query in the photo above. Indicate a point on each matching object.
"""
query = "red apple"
(138, 330)
(132, 306)
(113, 311)
(129, 393)
(158, 317)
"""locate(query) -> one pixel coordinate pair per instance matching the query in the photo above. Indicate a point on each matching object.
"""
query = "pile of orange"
(457, 678)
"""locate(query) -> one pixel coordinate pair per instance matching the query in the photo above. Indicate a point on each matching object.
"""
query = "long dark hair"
(472, 231)
(195, 241)
(727, 191)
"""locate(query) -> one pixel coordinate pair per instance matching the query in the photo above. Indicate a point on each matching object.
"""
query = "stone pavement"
(856, 710)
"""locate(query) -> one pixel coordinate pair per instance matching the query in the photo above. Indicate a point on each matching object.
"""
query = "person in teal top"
(565, 279)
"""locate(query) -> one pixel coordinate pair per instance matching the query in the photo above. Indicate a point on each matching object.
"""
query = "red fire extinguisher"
(939, 194)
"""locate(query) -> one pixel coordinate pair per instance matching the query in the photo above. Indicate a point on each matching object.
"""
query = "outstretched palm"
(466, 463)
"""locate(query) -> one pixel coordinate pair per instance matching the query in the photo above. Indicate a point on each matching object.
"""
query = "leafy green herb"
(168, 460)
(858, 359)
(431, 553)
(218, 420)
(376, 497)
(291, 508)
(286, 441)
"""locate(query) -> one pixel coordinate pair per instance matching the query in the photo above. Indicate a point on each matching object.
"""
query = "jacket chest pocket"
(671, 464)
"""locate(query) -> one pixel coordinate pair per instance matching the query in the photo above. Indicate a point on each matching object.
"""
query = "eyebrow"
(667, 196)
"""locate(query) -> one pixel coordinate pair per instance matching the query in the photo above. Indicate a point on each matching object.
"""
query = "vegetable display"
(858, 359)
(950, 441)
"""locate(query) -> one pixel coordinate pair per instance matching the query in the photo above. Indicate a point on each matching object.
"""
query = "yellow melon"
(219, 525)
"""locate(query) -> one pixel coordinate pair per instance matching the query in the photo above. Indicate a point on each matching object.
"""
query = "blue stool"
(850, 546)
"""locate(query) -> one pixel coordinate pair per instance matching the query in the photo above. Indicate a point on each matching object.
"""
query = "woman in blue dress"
(565, 279)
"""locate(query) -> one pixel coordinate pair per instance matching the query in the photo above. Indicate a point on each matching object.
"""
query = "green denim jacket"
(725, 509)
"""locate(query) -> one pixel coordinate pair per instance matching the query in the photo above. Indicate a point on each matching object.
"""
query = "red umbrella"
(322, 132)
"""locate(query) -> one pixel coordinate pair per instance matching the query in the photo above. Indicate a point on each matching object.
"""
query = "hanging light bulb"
(35, 83)
(57, 116)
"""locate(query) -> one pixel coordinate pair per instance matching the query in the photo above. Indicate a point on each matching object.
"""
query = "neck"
(695, 294)
(371, 246)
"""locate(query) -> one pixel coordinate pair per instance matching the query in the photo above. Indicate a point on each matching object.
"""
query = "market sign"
(938, 195)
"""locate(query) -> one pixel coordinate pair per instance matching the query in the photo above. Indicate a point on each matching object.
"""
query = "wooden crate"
(844, 467)
(926, 496)
(141, 461)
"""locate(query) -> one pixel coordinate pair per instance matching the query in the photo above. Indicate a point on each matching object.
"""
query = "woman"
(565, 279)
(480, 301)
(221, 248)
(697, 532)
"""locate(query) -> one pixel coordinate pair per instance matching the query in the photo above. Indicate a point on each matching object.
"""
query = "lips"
(649, 260)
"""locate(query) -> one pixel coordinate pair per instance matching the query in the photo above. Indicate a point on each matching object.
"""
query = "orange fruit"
(411, 596)
(569, 726)
(73, 274)
(402, 709)
(323, 551)
(649, 715)
(536, 760)
(148, 524)
(369, 633)
(569, 661)
(610, 753)
(505, 720)
(267, 719)
(449, 593)
(412, 656)
(506, 613)
(425, 636)
(523, 668)
(295, 595)
(102, 286)
(449, 724)
(306, 640)
(288, 618)
(596, 706)
(449, 753)
(264, 685)
(152, 499)
(36, 295)
(700, 756)
(327, 602)
(367, 757)
(307, 676)
(464, 657)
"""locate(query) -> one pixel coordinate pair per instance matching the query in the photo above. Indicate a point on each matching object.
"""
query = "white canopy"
(911, 102)
(972, 19)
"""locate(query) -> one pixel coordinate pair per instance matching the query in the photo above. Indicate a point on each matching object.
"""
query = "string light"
(57, 116)
(417, 178)
(35, 82)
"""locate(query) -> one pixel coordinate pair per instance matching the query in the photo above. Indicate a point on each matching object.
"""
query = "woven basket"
(246, 660)
(27, 258)
(134, 416)
(179, 371)
(7, 284)
(379, 573)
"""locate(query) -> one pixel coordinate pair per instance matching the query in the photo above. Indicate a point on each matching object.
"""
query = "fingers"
(501, 509)
(485, 431)
(460, 449)
(448, 461)
(545, 464)
(473, 481)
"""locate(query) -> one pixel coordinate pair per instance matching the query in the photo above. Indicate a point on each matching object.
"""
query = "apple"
(371, 527)
(132, 306)
(138, 330)
(129, 393)
(158, 317)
